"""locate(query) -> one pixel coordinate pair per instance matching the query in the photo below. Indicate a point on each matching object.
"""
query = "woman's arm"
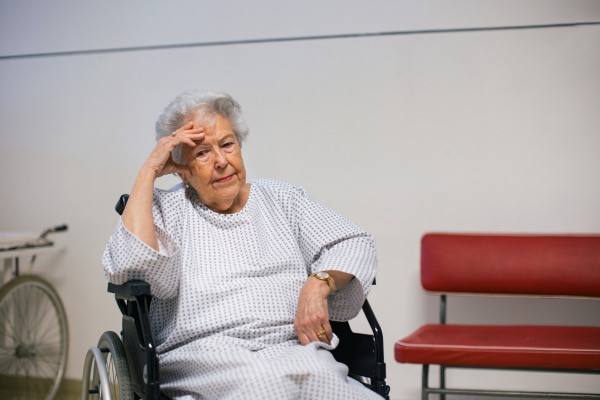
(312, 316)
(137, 216)
(329, 243)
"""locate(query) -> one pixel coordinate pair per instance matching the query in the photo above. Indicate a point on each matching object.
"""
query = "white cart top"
(9, 240)
(12, 239)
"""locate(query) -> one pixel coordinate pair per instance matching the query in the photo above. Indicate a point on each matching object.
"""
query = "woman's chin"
(223, 197)
(225, 204)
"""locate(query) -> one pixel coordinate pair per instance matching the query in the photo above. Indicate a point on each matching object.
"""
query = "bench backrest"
(547, 265)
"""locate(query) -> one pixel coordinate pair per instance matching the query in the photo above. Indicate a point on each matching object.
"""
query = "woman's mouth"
(224, 179)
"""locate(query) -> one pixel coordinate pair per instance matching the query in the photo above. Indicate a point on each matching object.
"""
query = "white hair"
(206, 104)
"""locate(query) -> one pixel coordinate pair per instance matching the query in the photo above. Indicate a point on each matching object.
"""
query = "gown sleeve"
(328, 241)
(127, 258)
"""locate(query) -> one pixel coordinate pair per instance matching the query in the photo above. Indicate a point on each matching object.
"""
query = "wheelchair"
(126, 367)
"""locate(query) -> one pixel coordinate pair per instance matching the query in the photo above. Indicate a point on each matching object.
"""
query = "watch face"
(322, 275)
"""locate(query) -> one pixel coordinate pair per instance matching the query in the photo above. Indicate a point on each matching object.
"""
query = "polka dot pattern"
(226, 288)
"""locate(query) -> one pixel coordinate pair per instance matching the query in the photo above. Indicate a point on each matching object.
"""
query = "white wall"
(466, 132)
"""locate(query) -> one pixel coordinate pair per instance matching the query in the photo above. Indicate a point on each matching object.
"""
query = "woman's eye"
(228, 144)
(201, 153)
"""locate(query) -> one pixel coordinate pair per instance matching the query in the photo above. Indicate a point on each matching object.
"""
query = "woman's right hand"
(137, 216)
(161, 159)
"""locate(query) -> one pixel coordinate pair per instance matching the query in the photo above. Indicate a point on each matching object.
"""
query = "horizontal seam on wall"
(289, 39)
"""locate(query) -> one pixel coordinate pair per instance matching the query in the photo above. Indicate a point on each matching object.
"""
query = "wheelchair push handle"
(120, 206)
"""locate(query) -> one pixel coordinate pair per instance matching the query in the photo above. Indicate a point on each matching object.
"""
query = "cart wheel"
(117, 370)
(34, 339)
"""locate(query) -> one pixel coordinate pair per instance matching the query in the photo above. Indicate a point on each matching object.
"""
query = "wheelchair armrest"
(130, 290)
(362, 353)
(377, 334)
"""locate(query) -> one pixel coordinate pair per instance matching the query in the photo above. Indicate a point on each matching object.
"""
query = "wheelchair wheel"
(34, 339)
(116, 367)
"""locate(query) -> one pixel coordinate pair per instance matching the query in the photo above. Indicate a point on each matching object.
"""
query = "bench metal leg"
(425, 382)
(442, 381)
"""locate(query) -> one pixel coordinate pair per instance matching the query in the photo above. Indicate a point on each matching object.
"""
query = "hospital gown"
(226, 290)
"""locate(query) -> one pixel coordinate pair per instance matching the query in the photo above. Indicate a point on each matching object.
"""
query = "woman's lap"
(297, 372)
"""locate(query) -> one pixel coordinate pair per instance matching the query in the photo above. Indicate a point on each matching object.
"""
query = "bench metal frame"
(442, 390)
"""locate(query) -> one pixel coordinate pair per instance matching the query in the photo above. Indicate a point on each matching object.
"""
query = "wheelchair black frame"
(363, 354)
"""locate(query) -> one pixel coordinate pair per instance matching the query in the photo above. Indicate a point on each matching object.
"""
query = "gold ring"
(321, 334)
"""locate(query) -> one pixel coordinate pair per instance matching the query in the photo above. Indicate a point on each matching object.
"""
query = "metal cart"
(34, 334)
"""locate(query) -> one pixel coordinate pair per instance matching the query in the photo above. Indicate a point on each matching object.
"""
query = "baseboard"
(69, 389)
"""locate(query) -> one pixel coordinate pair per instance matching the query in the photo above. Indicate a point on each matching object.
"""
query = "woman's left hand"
(313, 316)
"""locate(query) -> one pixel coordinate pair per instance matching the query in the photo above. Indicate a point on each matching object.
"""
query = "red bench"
(544, 266)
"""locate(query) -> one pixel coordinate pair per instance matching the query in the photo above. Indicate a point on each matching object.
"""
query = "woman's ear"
(184, 179)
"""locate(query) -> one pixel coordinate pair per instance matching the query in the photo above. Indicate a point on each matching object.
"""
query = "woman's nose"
(220, 159)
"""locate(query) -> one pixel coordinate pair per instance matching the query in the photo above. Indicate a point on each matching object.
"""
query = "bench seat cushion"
(555, 347)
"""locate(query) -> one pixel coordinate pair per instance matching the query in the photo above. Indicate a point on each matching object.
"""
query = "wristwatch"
(324, 276)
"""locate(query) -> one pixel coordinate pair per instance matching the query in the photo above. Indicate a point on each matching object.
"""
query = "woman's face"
(217, 168)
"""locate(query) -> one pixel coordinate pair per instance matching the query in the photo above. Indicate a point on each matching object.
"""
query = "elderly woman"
(246, 276)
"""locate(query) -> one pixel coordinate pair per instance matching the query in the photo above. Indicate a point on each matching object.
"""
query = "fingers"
(189, 137)
(325, 334)
(328, 333)
(167, 144)
(307, 335)
(312, 317)
(187, 134)
(310, 334)
(304, 340)
(191, 140)
(187, 127)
